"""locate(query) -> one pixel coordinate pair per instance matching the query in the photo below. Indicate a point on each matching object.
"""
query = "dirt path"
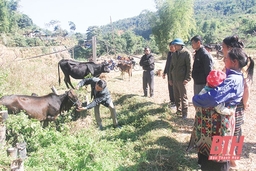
(134, 86)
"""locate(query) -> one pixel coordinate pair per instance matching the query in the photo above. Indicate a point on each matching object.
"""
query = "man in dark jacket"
(202, 65)
(100, 95)
(166, 71)
(147, 62)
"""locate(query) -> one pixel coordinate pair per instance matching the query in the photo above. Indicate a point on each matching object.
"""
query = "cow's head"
(105, 67)
(73, 98)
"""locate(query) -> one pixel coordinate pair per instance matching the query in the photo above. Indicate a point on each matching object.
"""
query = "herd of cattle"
(47, 108)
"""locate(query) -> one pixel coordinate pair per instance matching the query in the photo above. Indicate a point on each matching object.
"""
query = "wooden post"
(22, 150)
(94, 48)
(17, 165)
(3, 117)
(12, 152)
(73, 54)
(2, 135)
(113, 39)
(18, 154)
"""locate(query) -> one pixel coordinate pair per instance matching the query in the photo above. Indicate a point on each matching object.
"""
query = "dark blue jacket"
(168, 63)
(230, 91)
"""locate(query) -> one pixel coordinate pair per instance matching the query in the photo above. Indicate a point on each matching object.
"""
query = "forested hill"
(139, 24)
(222, 8)
(213, 17)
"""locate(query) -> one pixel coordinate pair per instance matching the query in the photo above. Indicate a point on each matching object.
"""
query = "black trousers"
(148, 81)
(171, 95)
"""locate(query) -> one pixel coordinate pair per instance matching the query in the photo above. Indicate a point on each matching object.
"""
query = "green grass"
(144, 142)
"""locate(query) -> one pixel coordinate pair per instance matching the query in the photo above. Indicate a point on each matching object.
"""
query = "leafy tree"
(4, 20)
(72, 26)
(133, 42)
(80, 52)
(151, 43)
(55, 24)
(24, 21)
(79, 36)
(174, 18)
(13, 5)
(93, 31)
(13, 15)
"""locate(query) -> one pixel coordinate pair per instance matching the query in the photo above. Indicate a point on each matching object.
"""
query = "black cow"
(43, 108)
(78, 70)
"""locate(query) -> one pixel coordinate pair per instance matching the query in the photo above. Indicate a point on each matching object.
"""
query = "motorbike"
(219, 54)
(135, 65)
(113, 66)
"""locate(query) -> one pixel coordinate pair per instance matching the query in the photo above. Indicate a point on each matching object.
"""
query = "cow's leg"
(45, 123)
(71, 85)
(68, 82)
(66, 78)
(130, 74)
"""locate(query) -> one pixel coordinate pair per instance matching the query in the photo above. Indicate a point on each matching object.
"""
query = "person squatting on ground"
(180, 75)
(227, 44)
(100, 95)
(203, 64)
(147, 62)
(166, 71)
(208, 122)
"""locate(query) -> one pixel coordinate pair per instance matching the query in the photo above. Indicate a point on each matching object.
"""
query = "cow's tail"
(59, 72)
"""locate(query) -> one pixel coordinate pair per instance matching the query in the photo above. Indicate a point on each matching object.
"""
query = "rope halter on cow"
(75, 102)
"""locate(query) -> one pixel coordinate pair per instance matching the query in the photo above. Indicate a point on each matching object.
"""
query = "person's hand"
(163, 76)
(79, 109)
(185, 82)
(246, 106)
(170, 82)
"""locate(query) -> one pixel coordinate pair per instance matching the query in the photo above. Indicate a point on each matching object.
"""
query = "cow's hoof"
(117, 126)
(101, 127)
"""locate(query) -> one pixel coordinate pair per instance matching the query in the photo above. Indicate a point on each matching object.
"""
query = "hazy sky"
(83, 13)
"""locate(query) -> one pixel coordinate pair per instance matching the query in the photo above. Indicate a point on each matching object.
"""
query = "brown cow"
(43, 108)
(125, 66)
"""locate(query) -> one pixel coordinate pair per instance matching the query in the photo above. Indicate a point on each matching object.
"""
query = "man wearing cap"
(147, 62)
(202, 65)
(180, 75)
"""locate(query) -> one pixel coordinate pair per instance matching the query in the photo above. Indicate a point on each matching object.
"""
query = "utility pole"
(94, 48)
(113, 39)
(73, 54)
